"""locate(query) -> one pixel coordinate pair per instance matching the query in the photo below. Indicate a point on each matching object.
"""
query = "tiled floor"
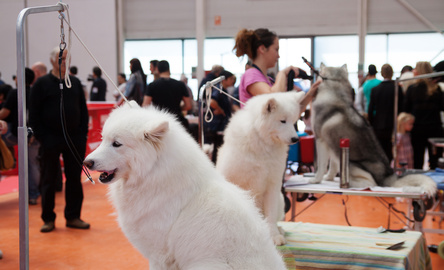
(105, 247)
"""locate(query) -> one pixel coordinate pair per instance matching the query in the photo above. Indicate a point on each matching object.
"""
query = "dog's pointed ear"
(155, 135)
(270, 106)
(298, 96)
(322, 66)
(344, 67)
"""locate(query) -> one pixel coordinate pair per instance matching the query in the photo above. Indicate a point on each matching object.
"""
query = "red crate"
(307, 149)
(98, 113)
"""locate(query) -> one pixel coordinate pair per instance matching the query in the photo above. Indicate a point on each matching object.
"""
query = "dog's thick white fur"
(171, 203)
(255, 149)
(334, 118)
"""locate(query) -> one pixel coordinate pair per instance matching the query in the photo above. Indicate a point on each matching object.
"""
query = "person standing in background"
(153, 69)
(4, 91)
(10, 113)
(39, 69)
(121, 80)
(404, 148)
(168, 93)
(194, 109)
(44, 118)
(98, 88)
(136, 84)
(424, 100)
(381, 110)
(368, 85)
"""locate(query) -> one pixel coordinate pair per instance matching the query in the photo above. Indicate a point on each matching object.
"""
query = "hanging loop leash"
(68, 56)
(63, 44)
(62, 33)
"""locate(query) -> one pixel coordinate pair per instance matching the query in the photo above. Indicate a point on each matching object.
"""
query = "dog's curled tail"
(416, 183)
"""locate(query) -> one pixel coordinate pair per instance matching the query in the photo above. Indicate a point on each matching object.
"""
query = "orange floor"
(105, 247)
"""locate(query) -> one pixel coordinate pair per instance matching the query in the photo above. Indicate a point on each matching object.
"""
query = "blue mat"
(438, 177)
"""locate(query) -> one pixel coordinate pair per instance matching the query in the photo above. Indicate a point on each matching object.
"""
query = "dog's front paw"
(281, 231)
(315, 180)
(279, 240)
(328, 177)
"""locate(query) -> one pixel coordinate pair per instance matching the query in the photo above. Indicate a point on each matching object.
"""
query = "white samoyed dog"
(171, 203)
(255, 150)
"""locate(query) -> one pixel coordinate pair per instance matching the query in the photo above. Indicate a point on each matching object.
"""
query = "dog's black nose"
(294, 139)
(88, 163)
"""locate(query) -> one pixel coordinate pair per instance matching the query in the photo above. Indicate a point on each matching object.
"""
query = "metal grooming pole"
(206, 87)
(395, 123)
(22, 132)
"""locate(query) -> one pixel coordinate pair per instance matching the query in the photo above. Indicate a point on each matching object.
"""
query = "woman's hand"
(311, 93)
(287, 70)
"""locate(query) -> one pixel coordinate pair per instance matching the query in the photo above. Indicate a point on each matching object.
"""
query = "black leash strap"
(68, 140)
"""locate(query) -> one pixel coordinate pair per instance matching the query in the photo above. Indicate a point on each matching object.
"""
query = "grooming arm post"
(22, 135)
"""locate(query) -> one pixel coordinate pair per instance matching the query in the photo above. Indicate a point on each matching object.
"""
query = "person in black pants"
(45, 120)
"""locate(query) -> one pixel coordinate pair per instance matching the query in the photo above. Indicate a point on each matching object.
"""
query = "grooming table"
(320, 246)
(299, 184)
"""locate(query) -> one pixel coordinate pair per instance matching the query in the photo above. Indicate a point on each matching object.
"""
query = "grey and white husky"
(333, 118)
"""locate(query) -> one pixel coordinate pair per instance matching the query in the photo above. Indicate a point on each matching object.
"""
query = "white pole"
(362, 32)
(120, 35)
(200, 37)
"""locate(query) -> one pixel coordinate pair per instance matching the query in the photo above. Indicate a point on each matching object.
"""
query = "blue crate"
(294, 153)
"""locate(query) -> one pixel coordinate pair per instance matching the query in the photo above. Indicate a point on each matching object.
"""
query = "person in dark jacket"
(381, 110)
(51, 125)
(98, 88)
(424, 100)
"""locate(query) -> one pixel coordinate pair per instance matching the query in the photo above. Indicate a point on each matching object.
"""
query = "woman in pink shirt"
(262, 47)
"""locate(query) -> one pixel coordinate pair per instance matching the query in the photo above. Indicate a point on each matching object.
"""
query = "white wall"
(9, 11)
(151, 19)
(94, 22)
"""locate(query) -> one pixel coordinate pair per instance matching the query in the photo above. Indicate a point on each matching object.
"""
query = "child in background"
(404, 145)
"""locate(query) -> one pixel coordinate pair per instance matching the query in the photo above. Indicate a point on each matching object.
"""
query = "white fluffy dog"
(172, 204)
(255, 148)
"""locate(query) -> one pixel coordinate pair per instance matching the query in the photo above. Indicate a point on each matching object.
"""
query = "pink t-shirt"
(251, 75)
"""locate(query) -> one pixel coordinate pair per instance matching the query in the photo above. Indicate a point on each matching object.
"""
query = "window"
(396, 49)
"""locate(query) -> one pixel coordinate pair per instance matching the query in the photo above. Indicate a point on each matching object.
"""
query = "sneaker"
(47, 227)
(77, 223)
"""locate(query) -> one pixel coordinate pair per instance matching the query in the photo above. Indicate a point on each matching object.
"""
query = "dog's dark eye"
(116, 144)
(283, 121)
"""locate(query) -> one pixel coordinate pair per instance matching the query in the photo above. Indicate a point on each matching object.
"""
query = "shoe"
(32, 201)
(77, 223)
(1, 254)
(47, 227)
